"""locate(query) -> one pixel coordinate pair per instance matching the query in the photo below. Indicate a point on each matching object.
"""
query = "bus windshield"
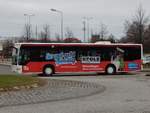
(24, 56)
(28, 54)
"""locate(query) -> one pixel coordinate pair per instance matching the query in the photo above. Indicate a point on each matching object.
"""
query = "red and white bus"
(50, 58)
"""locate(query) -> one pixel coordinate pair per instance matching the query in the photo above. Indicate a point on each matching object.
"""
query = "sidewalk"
(146, 70)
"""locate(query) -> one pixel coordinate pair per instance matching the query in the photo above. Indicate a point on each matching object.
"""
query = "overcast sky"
(112, 13)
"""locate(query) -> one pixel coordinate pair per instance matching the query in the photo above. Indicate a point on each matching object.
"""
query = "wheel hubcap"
(110, 70)
(48, 71)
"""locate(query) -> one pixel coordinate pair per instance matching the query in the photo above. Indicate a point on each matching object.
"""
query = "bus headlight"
(26, 68)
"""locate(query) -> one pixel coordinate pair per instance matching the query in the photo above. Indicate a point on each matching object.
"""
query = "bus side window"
(95, 53)
(42, 55)
(79, 55)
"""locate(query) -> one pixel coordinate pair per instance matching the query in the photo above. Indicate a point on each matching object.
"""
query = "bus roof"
(78, 44)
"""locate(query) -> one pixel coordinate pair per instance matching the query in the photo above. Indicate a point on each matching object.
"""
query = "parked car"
(146, 59)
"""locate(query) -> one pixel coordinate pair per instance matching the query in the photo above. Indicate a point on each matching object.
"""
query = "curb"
(5, 64)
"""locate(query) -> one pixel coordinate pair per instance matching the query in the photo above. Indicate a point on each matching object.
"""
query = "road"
(5, 69)
(123, 94)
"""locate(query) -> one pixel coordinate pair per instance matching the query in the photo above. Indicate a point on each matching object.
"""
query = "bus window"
(24, 56)
(132, 53)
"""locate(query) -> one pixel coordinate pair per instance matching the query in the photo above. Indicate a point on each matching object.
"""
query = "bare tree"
(69, 33)
(27, 32)
(102, 35)
(111, 38)
(45, 34)
(7, 48)
(103, 31)
(58, 39)
(146, 41)
(135, 28)
(141, 20)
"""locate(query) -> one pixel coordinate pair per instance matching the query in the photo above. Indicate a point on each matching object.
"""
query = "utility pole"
(61, 21)
(87, 19)
(84, 29)
(36, 33)
(28, 27)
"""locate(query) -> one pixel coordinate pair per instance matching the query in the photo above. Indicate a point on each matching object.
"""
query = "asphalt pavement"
(5, 69)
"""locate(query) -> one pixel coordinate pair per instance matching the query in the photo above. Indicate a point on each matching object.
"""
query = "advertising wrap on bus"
(50, 58)
(62, 58)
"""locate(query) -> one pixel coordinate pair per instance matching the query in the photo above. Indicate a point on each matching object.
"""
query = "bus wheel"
(48, 70)
(110, 69)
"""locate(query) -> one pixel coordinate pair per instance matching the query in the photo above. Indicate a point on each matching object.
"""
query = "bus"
(51, 58)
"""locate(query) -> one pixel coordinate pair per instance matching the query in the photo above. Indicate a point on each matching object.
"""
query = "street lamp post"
(86, 20)
(28, 24)
(61, 14)
(84, 29)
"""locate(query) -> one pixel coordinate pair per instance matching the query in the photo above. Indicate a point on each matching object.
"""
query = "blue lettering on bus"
(49, 56)
(62, 58)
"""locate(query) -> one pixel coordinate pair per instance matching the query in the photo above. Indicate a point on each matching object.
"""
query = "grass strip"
(11, 81)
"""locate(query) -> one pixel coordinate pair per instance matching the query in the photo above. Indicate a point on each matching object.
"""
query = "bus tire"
(48, 70)
(110, 69)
